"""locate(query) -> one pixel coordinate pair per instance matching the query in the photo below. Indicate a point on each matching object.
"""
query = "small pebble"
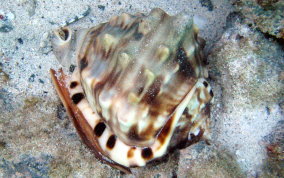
(20, 40)
(72, 68)
(32, 78)
(6, 19)
(41, 81)
(6, 28)
(207, 3)
(101, 7)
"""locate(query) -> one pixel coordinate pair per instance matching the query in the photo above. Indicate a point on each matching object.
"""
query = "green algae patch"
(60, 168)
(4, 77)
(266, 15)
(31, 101)
(274, 165)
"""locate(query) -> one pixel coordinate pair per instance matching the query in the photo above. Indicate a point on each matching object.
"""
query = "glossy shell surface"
(139, 85)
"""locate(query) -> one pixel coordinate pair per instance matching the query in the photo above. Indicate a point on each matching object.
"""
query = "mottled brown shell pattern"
(139, 85)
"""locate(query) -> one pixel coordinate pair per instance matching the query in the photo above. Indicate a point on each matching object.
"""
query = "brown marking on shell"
(130, 152)
(89, 41)
(133, 134)
(195, 138)
(186, 114)
(165, 131)
(153, 91)
(141, 80)
(206, 110)
(185, 69)
(148, 131)
(198, 91)
(112, 79)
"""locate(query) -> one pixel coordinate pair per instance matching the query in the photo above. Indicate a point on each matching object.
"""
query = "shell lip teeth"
(80, 123)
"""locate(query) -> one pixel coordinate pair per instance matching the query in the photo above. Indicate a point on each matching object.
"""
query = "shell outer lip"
(83, 128)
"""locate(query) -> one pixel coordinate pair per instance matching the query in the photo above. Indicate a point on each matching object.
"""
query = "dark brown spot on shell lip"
(99, 129)
(211, 93)
(205, 84)
(73, 84)
(147, 153)
(76, 98)
(111, 142)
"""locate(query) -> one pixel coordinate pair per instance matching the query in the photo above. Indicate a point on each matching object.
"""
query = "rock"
(27, 166)
(252, 63)
(274, 142)
(6, 21)
(267, 15)
(4, 77)
(30, 6)
(246, 70)
(207, 3)
(210, 162)
(5, 101)
(267, 3)
(101, 7)
(38, 140)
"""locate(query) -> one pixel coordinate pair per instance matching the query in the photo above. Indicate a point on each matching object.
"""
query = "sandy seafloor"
(38, 140)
